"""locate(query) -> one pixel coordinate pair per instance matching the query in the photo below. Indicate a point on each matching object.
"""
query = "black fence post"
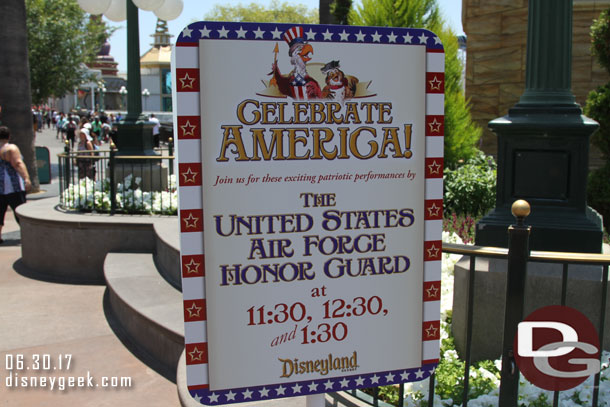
(170, 146)
(111, 165)
(518, 254)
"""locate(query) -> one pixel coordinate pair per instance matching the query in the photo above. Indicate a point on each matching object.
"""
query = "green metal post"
(543, 145)
(134, 132)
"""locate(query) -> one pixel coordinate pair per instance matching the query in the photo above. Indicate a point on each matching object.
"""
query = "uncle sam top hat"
(294, 37)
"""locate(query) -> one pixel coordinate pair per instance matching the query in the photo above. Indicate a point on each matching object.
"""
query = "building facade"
(495, 62)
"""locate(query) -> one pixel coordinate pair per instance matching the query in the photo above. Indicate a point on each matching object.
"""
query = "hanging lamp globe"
(94, 6)
(117, 11)
(170, 10)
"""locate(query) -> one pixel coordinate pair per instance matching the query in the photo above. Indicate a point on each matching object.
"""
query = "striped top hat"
(294, 37)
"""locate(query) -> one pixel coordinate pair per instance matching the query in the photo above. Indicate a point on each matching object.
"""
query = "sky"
(195, 10)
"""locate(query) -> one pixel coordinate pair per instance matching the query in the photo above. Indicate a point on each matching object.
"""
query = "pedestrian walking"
(14, 177)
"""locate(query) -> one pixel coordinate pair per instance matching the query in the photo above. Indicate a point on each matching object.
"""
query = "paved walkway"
(50, 322)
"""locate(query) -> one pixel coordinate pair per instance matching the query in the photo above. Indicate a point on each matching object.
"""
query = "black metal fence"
(102, 181)
(518, 256)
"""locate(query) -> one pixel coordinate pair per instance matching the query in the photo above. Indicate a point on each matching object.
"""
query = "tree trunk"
(326, 16)
(15, 96)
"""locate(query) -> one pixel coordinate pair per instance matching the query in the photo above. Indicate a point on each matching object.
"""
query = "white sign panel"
(310, 165)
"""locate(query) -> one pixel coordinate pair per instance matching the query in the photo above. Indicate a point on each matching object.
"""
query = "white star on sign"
(404, 376)
(296, 388)
(407, 38)
(328, 385)
(423, 39)
(419, 374)
(313, 386)
(344, 36)
(258, 33)
(389, 378)
(310, 34)
(375, 379)
(247, 394)
(392, 37)
(277, 34)
(437, 40)
(360, 36)
(360, 381)
(186, 32)
(241, 33)
(213, 398)
(376, 37)
(280, 390)
(231, 395)
(197, 398)
(205, 33)
(327, 35)
(264, 392)
(344, 382)
(222, 33)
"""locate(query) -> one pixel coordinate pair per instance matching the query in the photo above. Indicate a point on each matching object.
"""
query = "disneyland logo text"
(321, 366)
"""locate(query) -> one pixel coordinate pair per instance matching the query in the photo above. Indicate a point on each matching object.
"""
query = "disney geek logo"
(557, 348)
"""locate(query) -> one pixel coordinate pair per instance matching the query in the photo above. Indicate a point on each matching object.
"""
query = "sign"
(557, 348)
(310, 173)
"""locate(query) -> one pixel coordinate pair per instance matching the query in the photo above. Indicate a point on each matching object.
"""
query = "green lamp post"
(543, 145)
(135, 131)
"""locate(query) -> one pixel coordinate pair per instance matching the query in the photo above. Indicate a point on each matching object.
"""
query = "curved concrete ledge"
(167, 251)
(146, 306)
(71, 246)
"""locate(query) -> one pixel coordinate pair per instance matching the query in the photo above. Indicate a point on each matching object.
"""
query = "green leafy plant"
(471, 188)
(598, 108)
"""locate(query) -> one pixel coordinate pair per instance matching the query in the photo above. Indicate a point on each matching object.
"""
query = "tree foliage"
(61, 38)
(598, 108)
(276, 13)
(461, 133)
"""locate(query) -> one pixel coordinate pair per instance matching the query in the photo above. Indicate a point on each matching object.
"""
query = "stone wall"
(496, 54)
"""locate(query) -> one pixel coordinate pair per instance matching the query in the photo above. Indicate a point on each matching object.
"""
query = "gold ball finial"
(67, 142)
(520, 208)
(112, 146)
(171, 140)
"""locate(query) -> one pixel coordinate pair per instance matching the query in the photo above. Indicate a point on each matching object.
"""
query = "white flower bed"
(95, 196)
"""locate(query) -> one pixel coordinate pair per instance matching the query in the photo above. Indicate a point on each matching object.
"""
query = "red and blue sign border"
(187, 131)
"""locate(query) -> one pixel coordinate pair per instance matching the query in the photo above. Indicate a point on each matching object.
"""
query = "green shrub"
(471, 188)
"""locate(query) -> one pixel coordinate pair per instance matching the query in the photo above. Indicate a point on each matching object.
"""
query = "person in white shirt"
(156, 129)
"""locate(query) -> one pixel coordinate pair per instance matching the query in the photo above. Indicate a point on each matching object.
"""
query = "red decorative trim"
(434, 167)
(432, 291)
(193, 266)
(435, 125)
(433, 209)
(199, 387)
(191, 220)
(425, 362)
(189, 127)
(435, 82)
(191, 44)
(431, 330)
(187, 79)
(194, 310)
(196, 353)
(433, 250)
(190, 174)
